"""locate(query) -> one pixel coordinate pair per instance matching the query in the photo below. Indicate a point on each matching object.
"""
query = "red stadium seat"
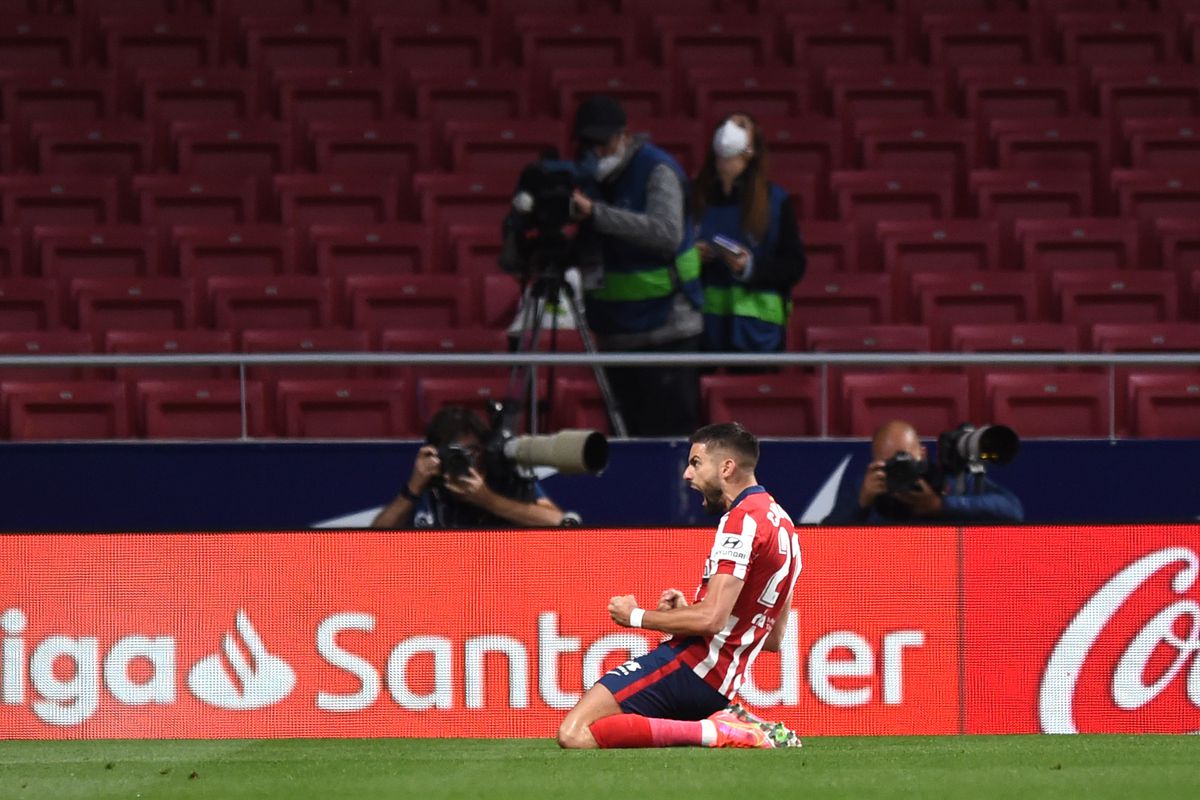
(1059, 405)
(576, 403)
(445, 340)
(1017, 91)
(441, 43)
(810, 144)
(336, 95)
(1165, 406)
(501, 299)
(175, 95)
(39, 43)
(232, 147)
(195, 200)
(30, 305)
(1083, 243)
(325, 42)
(29, 200)
(377, 302)
(395, 148)
(919, 144)
(398, 248)
(12, 253)
(1165, 337)
(717, 92)
(1150, 194)
(435, 393)
(104, 304)
(296, 302)
(929, 401)
(170, 342)
(93, 148)
(1171, 143)
(829, 247)
(43, 343)
(344, 409)
(234, 250)
(1142, 91)
(685, 139)
(1007, 195)
(769, 405)
(131, 42)
(463, 198)
(846, 40)
(501, 145)
(934, 245)
(1093, 296)
(644, 92)
(1106, 39)
(867, 338)
(1178, 240)
(443, 94)
(287, 8)
(306, 340)
(853, 299)
(1021, 337)
(890, 91)
(8, 157)
(475, 250)
(200, 409)
(64, 410)
(870, 196)
(549, 41)
(942, 300)
(697, 40)
(959, 39)
(336, 199)
(1048, 144)
(98, 251)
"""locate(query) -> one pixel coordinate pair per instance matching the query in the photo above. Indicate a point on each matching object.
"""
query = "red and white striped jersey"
(757, 543)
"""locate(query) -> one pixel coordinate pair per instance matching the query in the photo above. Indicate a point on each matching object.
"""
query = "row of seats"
(675, 39)
(1060, 404)
(338, 251)
(164, 92)
(939, 300)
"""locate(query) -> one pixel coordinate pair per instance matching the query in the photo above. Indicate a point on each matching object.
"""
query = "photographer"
(433, 499)
(928, 498)
(642, 279)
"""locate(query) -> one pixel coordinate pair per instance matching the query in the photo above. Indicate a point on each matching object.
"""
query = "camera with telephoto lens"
(970, 448)
(902, 472)
(542, 224)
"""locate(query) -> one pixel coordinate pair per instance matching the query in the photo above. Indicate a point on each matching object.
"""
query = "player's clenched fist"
(671, 598)
(620, 607)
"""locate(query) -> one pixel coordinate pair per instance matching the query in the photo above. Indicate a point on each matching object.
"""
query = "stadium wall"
(430, 634)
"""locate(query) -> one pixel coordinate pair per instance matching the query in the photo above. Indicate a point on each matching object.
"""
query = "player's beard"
(714, 500)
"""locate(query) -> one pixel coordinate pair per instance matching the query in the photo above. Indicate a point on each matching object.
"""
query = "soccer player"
(677, 694)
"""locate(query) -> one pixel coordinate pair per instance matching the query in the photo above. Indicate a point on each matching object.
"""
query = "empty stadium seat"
(806, 144)
(549, 41)
(919, 144)
(131, 42)
(175, 95)
(57, 95)
(1059, 405)
(718, 91)
(351, 199)
(1018, 337)
(696, 40)
(852, 299)
(444, 340)
(12, 253)
(200, 409)
(97, 251)
(296, 302)
(929, 401)
(45, 43)
(1178, 240)
(463, 198)
(307, 94)
(1017, 91)
(866, 338)
(234, 250)
(958, 39)
(475, 393)
(43, 343)
(1170, 143)
(377, 302)
(8, 156)
(169, 343)
(1047, 144)
(195, 200)
(829, 247)
(837, 39)
(29, 200)
(344, 409)
(388, 249)
(934, 245)
(1105, 39)
(41, 410)
(439, 43)
(685, 139)
(1078, 243)
(1150, 194)
(475, 250)
(500, 300)
(96, 147)
(392, 147)
(1165, 406)
(1008, 195)
(30, 305)
(578, 404)
(944, 299)
(104, 304)
(769, 405)
(501, 145)
(1090, 297)
(444, 94)
(872, 195)
(887, 91)
(644, 92)
(325, 42)
(232, 147)
(1141, 91)
(306, 340)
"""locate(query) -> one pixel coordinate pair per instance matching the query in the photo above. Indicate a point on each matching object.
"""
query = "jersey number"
(770, 594)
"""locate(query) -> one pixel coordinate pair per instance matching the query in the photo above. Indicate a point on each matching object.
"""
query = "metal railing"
(820, 361)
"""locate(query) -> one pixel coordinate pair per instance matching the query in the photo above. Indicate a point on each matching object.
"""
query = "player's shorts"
(661, 685)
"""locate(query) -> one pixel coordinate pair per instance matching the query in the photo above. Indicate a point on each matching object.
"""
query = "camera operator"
(433, 499)
(928, 498)
(642, 279)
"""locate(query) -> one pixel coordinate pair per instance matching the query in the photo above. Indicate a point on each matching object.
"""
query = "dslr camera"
(965, 449)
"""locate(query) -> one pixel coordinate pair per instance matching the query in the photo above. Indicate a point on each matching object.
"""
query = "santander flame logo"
(259, 680)
(1129, 689)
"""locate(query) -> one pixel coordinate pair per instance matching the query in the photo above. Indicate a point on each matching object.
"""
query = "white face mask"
(606, 165)
(730, 140)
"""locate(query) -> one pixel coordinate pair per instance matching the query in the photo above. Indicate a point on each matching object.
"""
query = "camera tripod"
(541, 288)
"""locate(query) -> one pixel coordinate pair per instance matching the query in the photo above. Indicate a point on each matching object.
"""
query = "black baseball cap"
(599, 117)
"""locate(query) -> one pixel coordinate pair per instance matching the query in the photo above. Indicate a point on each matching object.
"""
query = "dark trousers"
(659, 401)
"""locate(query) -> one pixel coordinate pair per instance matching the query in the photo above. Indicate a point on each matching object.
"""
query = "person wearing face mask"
(748, 241)
(641, 274)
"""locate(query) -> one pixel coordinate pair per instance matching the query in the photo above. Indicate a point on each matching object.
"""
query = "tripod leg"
(589, 346)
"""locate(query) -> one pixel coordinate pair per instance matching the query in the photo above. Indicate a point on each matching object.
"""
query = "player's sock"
(633, 730)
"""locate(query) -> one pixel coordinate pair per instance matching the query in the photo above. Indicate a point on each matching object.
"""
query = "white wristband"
(635, 617)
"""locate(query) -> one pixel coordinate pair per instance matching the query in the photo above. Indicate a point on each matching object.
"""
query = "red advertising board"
(427, 633)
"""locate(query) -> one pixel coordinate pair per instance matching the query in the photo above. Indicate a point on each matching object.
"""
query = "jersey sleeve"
(733, 545)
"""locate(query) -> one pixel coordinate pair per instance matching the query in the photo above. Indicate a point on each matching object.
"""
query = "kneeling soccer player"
(678, 694)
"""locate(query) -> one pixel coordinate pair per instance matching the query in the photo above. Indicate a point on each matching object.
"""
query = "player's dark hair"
(451, 422)
(729, 436)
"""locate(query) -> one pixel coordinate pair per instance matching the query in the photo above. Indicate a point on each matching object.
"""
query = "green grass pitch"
(974, 767)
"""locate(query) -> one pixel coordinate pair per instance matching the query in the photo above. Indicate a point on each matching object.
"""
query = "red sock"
(633, 730)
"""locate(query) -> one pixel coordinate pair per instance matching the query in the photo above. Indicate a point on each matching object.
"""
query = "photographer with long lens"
(900, 484)
(450, 485)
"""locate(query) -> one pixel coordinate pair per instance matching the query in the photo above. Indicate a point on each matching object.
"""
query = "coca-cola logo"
(1175, 630)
